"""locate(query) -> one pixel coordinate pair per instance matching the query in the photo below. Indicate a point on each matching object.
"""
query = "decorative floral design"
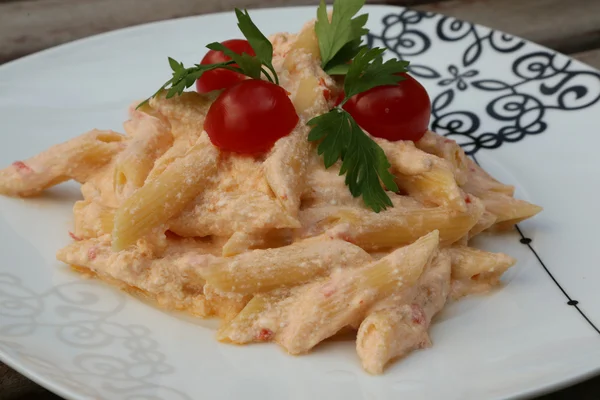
(535, 83)
(459, 78)
(83, 320)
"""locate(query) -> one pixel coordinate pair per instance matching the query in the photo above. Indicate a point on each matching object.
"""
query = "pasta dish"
(295, 194)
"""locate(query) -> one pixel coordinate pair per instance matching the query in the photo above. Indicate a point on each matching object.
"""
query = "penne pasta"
(238, 199)
(479, 182)
(92, 220)
(399, 325)
(170, 280)
(486, 221)
(328, 306)
(285, 169)
(150, 139)
(265, 270)
(508, 210)
(241, 329)
(307, 41)
(161, 198)
(476, 271)
(184, 114)
(224, 305)
(423, 176)
(75, 159)
(404, 223)
(447, 149)
(241, 242)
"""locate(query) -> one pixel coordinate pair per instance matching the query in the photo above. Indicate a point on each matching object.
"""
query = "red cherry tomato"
(250, 116)
(393, 112)
(221, 78)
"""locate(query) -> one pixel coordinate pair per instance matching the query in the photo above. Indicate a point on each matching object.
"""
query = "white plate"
(529, 115)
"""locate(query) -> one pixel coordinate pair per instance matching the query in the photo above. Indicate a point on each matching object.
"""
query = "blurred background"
(27, 26)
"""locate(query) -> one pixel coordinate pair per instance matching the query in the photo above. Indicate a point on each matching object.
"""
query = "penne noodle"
(265, 270)
(224, 305)
(285, 169)
(150, 139)
(238, 199)
(76, 159)
(423, 176)
(486, 221)
(476, 271)
(161, 198)
(508, 210)
(92, 220)
(308, 93)
(396, 327)
(447, 149)
(241, 242)
(307, 41)
(404, 223)
(328, 306)
(241, 328)
(184, 114)
(170, 280)
(479, 182)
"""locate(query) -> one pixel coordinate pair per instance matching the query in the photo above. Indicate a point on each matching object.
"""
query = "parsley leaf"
(368, 71)
(341, 61)
(363, 161)
(250, 65)
(184, 78)
(259, 42)
(342, 30)
(246, 64)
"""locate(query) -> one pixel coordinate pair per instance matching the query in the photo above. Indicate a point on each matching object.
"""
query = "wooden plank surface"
(591, 57)
(33, 25)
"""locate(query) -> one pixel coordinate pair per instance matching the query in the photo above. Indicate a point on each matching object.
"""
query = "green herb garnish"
(363, 162)
(246, 64)
(340, 39)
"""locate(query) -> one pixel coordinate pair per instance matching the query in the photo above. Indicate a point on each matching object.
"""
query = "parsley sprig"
(363, 162)
(340, 39)
(252, 66)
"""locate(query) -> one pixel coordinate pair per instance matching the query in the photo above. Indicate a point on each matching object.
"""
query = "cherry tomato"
(250, 116)
(393, 112)
(221, 78)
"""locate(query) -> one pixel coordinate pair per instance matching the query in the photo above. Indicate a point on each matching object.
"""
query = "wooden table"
(27, 26)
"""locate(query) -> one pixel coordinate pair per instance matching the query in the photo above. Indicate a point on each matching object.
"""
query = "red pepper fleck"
(22, 167)
(265, 335)
(288, 93)
(346, 238)
(74, 237)
(468, 199)
(284, 197)
(326, 91)
(418, 315)
(448, 141)
(328, 290)
(472, 169)
(92, 253)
